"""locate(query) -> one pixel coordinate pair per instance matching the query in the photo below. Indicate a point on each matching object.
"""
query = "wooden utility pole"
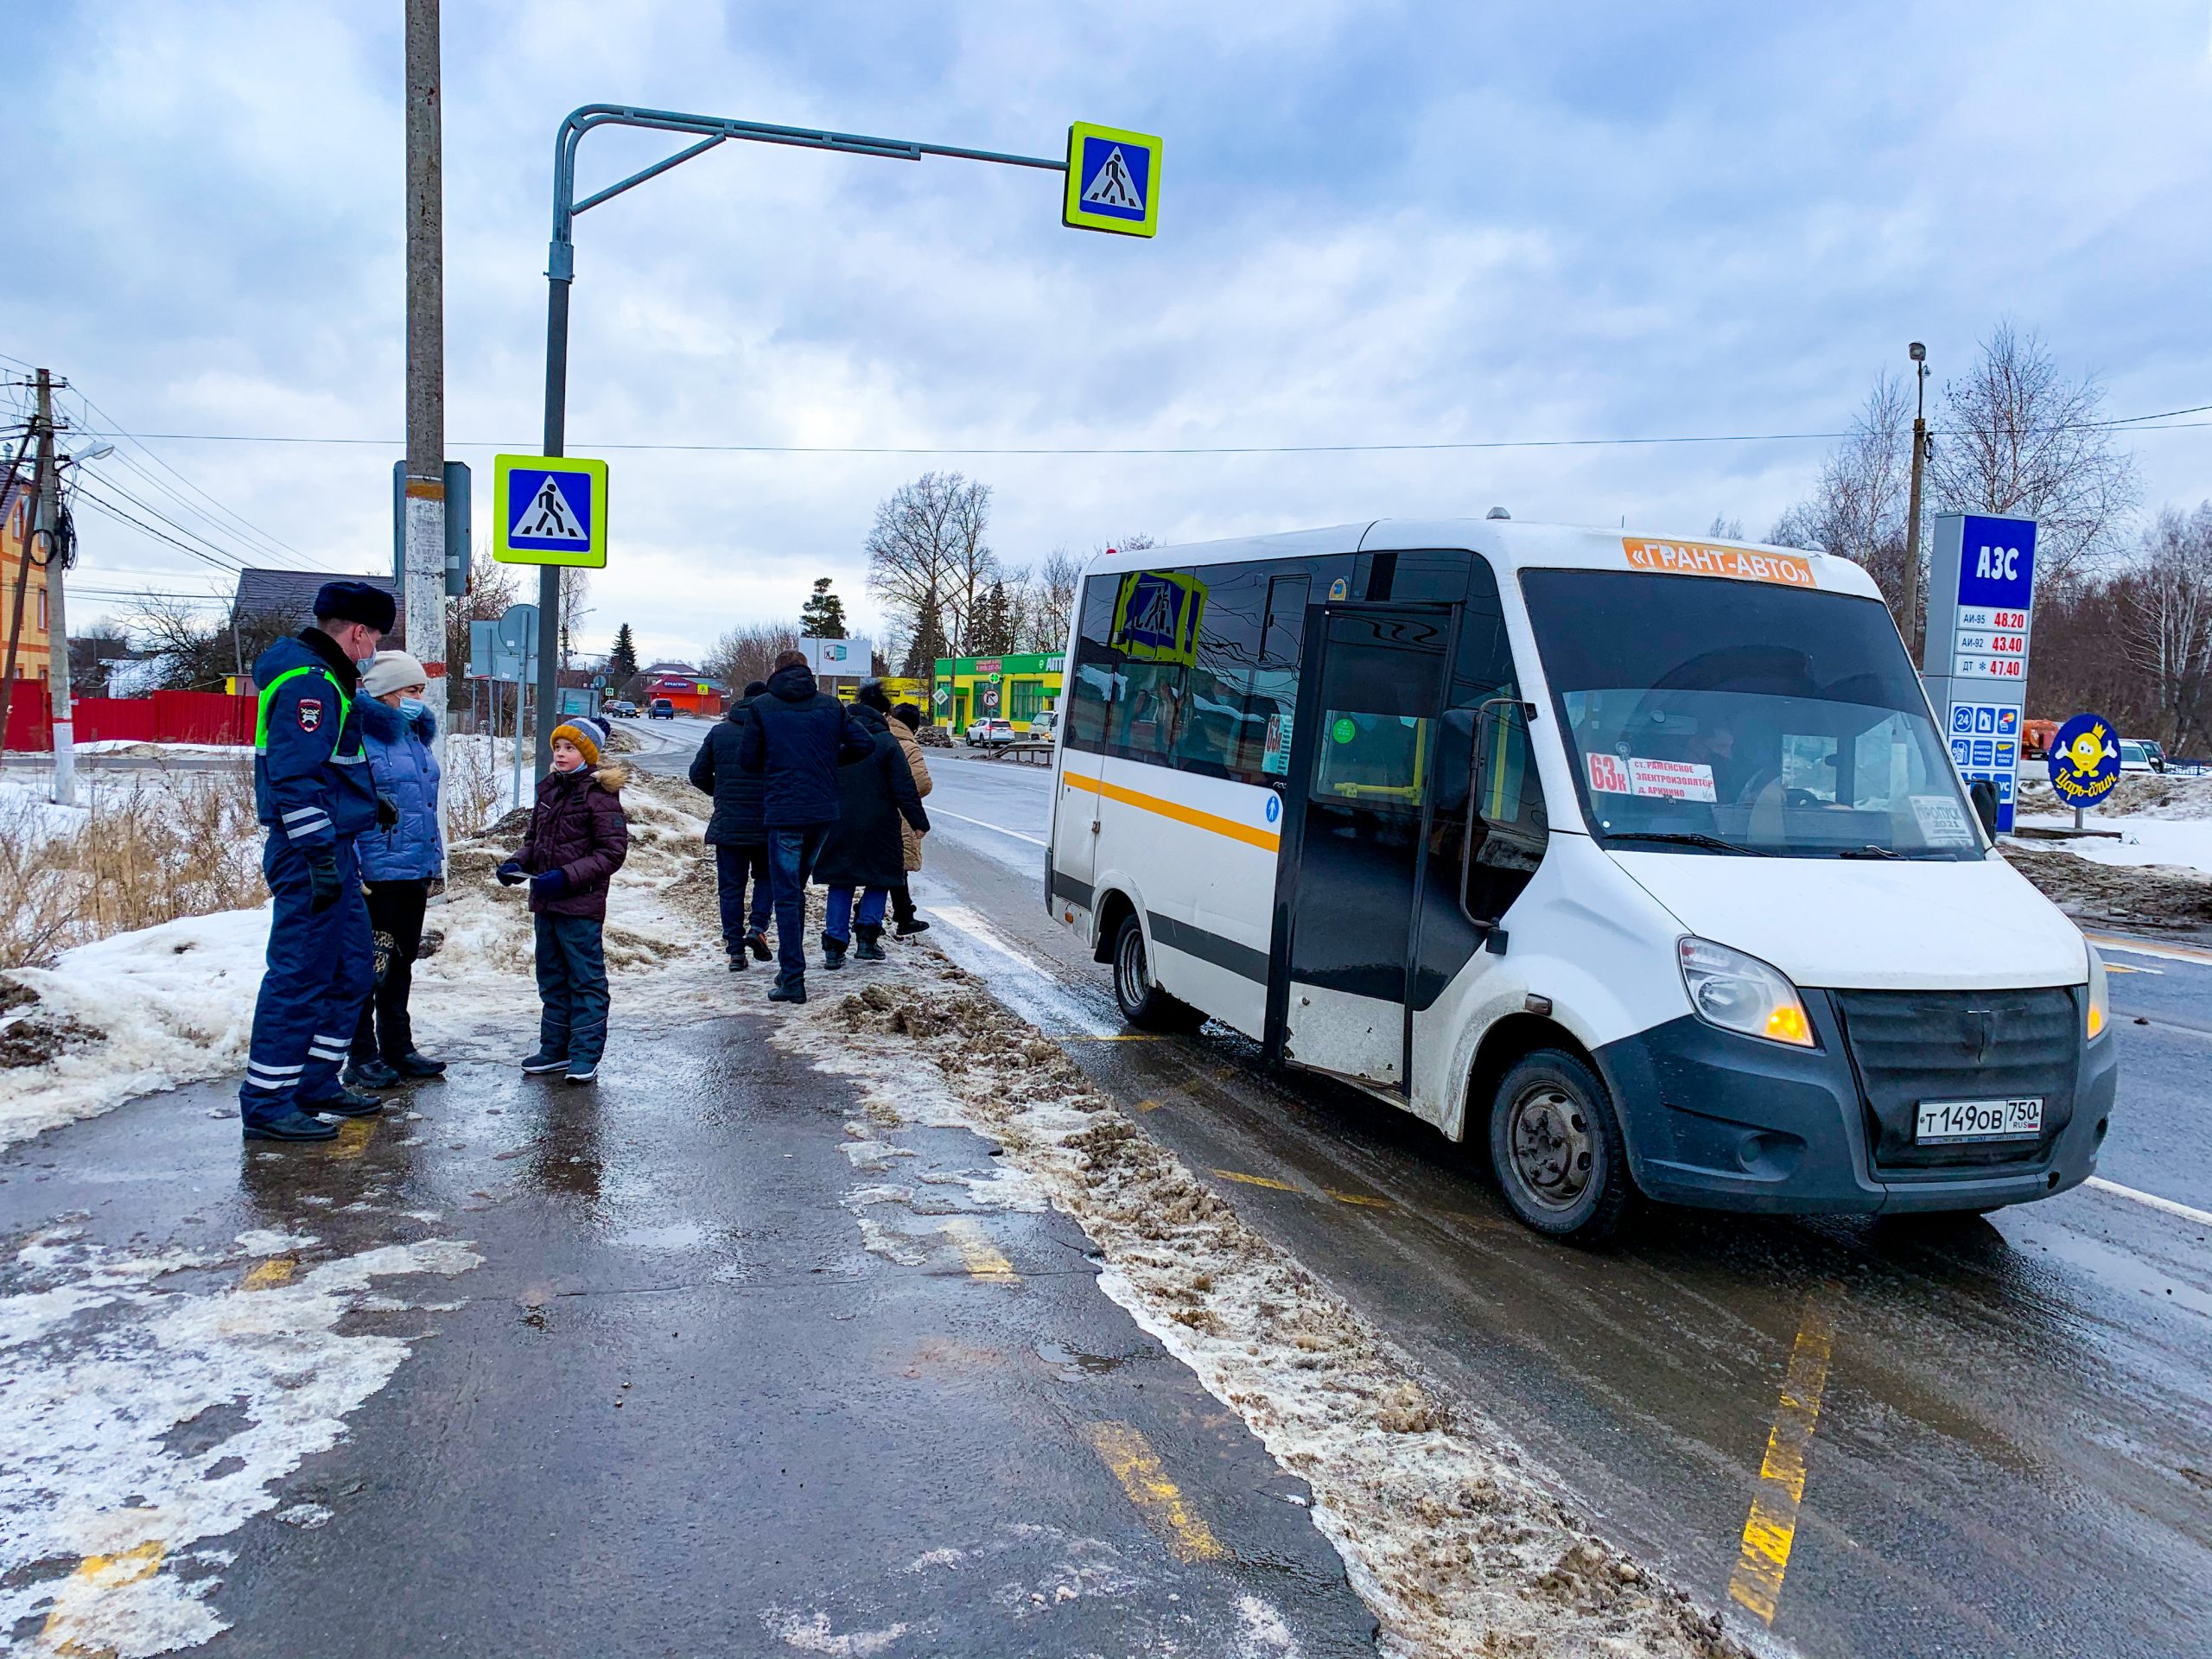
(424, 594)
(57, 617)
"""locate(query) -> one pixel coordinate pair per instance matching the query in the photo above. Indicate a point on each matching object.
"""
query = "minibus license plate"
(1943, 1122)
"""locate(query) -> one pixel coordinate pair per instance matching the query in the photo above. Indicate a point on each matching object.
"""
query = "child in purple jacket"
(578, 838)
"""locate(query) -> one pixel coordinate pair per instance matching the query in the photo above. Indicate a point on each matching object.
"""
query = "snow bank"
(107, 1357)
(1453, 1540)
(173, 1004)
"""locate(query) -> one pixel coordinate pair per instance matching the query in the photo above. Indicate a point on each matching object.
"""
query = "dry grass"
(474, 786)
(166, 845)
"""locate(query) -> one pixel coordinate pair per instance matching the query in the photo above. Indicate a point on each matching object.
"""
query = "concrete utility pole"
(1919, 354)
(57, 620)
(425, 594)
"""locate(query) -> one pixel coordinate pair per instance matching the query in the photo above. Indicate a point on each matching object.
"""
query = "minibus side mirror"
(1983, 793)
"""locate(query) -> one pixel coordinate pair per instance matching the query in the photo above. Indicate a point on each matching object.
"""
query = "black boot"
(832, 951)
(415, 1064)
(757, 942)
(370, 1074)
(868, 946)
(902, 913)
(792, 989)
(344, 1104)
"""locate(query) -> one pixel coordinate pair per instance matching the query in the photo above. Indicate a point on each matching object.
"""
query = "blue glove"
(510, 873)
(549, 884)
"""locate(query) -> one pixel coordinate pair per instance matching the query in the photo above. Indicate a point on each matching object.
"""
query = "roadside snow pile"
(169, 1005)
(152, 1402)
(2113, 892)
(1451, 1540)
(153, 1009)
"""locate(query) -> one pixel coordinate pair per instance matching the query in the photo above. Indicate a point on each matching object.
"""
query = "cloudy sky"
(1381, 224)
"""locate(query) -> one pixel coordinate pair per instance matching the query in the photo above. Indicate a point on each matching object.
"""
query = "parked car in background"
(990, 734)
(622, 708)
(662, 710)
(2158, 755)
(1041, 727)
(2136, 757)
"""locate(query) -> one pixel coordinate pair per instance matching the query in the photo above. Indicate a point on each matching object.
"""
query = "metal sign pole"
(560, 265)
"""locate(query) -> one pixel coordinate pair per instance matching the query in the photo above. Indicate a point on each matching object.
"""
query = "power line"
(147, 507)
(103, 507)
(2161, 420)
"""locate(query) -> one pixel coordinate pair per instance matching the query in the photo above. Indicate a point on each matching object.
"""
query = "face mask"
(413, 707)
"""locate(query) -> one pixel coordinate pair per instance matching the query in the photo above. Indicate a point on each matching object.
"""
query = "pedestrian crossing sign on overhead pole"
(548, 510)
(1113, 180)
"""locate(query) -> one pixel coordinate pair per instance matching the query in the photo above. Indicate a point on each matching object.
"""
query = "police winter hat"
(355, 601)
(583, 734)
(392, 671)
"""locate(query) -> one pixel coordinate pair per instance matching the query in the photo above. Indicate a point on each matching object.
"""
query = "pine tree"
(929, 642)
(994, 631)
(822, 616)
(622, 661)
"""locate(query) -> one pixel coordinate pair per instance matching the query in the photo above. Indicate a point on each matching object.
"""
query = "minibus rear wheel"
(1143, 1003)
(1557, 1147)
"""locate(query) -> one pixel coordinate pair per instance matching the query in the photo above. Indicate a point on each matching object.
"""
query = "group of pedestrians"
(346, 783)
(806, 789)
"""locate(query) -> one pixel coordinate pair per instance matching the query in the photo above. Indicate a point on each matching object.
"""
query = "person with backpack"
(798, 738)
(399, 863)
(578, 837)
(865, 850)
(736, 831)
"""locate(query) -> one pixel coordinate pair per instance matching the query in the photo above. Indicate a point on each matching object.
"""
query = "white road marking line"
(2201, 1218)
(2143, 948)
(985, 823)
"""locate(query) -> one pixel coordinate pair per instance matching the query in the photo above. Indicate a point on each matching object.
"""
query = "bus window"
(1373, 758)
(1242, 684)
(1094, 678)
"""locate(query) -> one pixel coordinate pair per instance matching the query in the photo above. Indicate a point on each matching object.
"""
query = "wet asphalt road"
(2012, 1450)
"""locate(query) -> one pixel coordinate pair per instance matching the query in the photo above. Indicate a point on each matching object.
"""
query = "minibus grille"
(1909, 1046)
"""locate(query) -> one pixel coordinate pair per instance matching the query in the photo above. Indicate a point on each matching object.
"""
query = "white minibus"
(1638, 859)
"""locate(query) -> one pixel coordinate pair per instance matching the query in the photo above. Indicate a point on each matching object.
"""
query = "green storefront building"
(1017, 687)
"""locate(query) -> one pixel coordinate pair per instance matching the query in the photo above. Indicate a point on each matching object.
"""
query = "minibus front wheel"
(1557, 1146)
(1143, 1003)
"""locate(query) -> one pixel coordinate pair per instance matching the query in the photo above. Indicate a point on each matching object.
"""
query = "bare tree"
(927, 549)
(1725, 529)
(2165, 611)
(575, 587)
(748, 653)
(2019, 438)
(196, 650)
(1859, 507)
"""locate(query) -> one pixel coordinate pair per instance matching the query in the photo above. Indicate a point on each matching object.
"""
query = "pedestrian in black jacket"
(798, 740)
(736, 831)
(866, 850)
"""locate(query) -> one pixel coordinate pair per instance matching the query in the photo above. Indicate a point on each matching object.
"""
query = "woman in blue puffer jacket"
(399, 864)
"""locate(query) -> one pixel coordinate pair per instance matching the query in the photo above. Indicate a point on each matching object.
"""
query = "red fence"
(165, 717)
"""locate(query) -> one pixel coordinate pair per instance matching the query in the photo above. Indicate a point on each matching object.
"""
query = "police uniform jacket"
(311, 781)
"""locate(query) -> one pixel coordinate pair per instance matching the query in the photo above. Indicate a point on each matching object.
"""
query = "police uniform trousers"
(321, 970)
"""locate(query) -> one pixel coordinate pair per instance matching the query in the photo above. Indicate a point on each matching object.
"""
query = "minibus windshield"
(1706, 717)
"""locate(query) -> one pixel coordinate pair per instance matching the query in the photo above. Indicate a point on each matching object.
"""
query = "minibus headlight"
(1739, 993)
(2100, 996)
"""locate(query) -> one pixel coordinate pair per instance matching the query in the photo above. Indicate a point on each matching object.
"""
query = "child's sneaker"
(584, 1071)
(541, 1061)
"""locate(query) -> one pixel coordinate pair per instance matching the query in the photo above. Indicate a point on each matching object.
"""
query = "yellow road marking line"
(1136, 1466)
(1360, 1198)
(1114, 1036)
(1255, 1180)
(983, 1259)
(1149, 1105)
(262, 1275)
(1771, 1527)
(1266, 840)
(2145, 947)
(95, 1575)
(353, 1137)
(2122, 968)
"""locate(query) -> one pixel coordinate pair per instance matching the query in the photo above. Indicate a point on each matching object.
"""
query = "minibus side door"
(1369, 725)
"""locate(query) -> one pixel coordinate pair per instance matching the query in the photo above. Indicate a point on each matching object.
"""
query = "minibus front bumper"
(1722, 1120)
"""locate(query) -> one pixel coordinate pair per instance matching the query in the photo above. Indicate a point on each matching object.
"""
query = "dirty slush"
(1450, 1537)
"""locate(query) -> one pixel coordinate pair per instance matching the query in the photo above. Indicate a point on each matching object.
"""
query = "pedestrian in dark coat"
(866, 850)
(577, 839)
(737, 831)
(798, 740)
(399, 860)
(906, 722)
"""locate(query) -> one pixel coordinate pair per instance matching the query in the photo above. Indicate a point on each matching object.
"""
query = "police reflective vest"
(310, 777)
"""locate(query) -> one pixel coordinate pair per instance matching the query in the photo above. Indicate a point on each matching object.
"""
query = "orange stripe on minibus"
(1267, 841)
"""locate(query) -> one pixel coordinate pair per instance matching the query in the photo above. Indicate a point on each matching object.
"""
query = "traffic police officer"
(312, 793)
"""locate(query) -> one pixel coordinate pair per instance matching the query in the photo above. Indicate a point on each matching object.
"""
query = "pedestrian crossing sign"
(548, 510)
(1113, 180)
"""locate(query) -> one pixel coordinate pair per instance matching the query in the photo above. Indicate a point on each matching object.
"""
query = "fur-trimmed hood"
(612, 778)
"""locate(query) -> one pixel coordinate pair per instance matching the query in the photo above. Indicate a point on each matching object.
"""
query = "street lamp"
(1918, 352)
